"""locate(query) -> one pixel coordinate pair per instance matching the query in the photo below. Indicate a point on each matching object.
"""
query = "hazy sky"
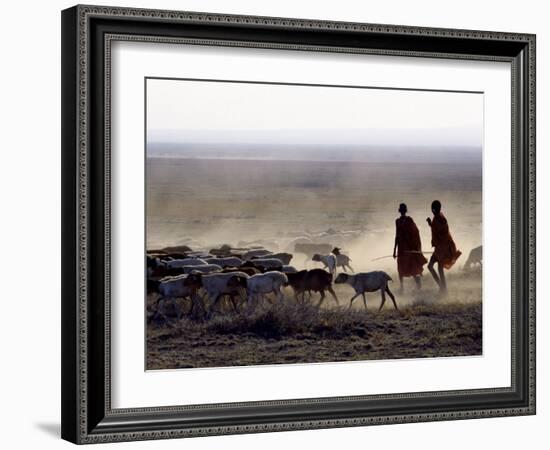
(196, 112)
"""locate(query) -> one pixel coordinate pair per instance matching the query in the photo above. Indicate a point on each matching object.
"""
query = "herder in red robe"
(410, 260)
(445, 252)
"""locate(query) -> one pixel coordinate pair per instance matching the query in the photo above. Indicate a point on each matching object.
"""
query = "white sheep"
(367, 282)
(172, 288)
(177, 263)
(264, 283)
(217, 285)
(329, 261)
(229, 261)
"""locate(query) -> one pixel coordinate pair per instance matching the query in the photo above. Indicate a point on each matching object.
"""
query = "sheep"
(328, 261)
(218, 284)
(176, 263)
(257, 264)
(283, 257)
(297, 281)
(248, 270)
(316, 280)
(289, 269)
(264, 283)
(262, 252)
(474, 258)
(176, 248)
(267, 263)
(367, 282)
(225, 261)
(153, 261)
(171, 288)
(207, 268)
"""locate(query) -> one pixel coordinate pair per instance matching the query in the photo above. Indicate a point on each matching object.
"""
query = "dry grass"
(303, 334)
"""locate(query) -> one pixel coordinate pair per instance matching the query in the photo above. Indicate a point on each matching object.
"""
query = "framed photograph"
(280, 224)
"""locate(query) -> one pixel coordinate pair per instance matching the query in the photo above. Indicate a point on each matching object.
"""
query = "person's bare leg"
(432, 271)
(400, 284)
(442, 281)
(418, 282)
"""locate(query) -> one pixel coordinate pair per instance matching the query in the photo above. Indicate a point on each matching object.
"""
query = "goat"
(264, 283)
(328, 261)
(367, 282)
(342, 260)
(474, 258)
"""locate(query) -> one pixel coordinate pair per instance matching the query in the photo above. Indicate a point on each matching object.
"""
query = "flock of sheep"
(244, 277)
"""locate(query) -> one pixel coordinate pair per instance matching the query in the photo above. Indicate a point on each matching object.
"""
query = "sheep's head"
(193, 280)
(341, 278)
(248, 264)
(237, 281)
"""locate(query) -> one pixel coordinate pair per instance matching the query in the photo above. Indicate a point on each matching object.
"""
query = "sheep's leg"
(233, 302)
(353, 298)
(157, 313)
(392, 298)
(278, 294)
(383, 299)
(351, 268)
(197, 304)
(333, 294)
(344, 267)
(179, 312)
(322, 291)
(364, 300)
(214, 304)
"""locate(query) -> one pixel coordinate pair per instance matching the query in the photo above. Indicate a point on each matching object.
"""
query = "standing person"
(408, 249)
(445, 252)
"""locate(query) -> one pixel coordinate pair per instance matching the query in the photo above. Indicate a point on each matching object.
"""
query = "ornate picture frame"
(87, 35)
